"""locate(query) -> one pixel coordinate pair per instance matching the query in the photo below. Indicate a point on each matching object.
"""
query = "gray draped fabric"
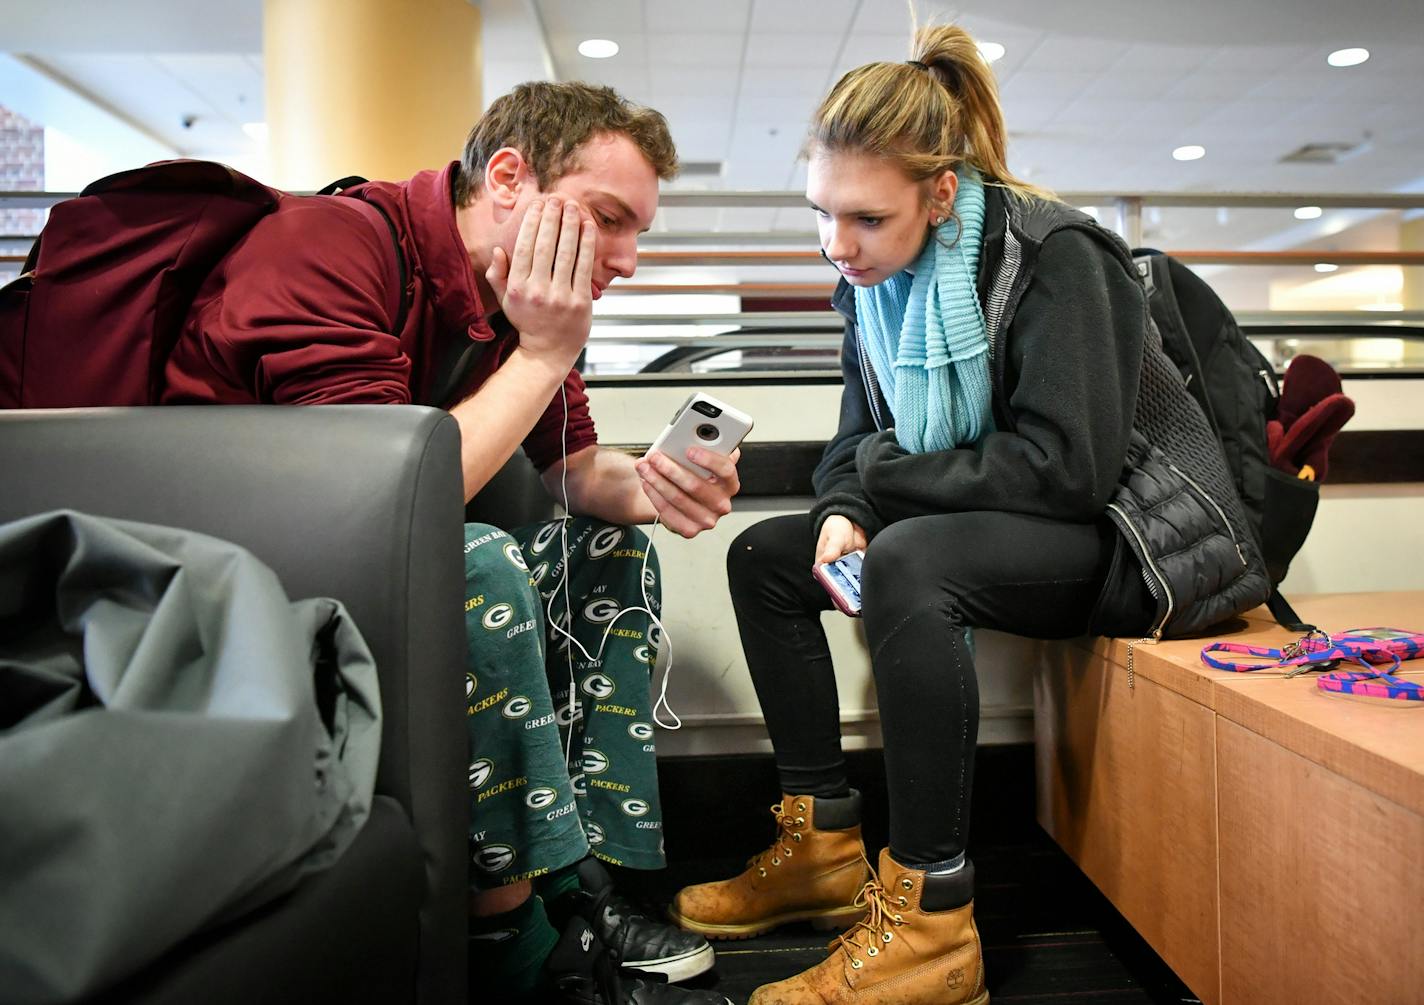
(179, 744)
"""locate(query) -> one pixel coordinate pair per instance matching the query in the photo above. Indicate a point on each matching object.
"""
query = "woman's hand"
(838, 537)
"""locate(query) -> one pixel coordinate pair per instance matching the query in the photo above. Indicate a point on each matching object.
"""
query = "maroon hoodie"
(300, 312)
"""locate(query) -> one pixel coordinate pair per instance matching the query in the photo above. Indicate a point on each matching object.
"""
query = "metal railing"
(809, 329)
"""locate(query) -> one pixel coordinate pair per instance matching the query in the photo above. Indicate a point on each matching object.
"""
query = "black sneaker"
(641, 942)
(583, 971)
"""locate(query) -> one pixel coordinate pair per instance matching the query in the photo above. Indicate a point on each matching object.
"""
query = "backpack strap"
(351, 181)
(400, 268)
(1284, 614)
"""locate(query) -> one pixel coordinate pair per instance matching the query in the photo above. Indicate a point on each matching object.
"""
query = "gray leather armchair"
(361, 503)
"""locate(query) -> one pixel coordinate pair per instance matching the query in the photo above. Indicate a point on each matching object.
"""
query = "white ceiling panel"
(1066, 54)
(1262, 60)
(1118, 81)
(709, 49)
(804, 49)
(775, 17)
(599, 19)
(1039, 85)
(230, 84)
(874, 48)
(693, 82)
(802, 82)
(724, 16)
(1211, 85)
(1146, 60)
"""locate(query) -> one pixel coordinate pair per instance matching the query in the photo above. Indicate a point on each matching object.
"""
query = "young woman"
(1014, 453)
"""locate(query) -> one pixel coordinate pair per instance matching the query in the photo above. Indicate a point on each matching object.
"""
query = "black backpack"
(1236, 387)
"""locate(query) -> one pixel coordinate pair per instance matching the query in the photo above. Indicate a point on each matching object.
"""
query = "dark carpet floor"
(1049, 936)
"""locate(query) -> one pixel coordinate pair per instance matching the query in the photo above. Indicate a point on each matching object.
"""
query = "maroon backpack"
(104, 293)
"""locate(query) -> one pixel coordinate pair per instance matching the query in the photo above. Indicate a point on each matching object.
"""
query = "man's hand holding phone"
(545, 288)
(689, 474)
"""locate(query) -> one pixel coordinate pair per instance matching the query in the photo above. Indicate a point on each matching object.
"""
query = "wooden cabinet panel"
(1126, 785)
(1320, 882)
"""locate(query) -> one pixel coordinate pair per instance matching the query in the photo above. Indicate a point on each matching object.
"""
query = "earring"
(938, 220)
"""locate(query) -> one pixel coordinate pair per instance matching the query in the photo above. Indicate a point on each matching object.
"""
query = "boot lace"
(788, 832)
(875, 930)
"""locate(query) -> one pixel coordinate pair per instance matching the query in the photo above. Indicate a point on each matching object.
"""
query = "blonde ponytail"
(934, 113)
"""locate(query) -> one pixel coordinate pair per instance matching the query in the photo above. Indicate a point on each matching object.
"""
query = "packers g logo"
(494, 858)
(655, 636)
(566, 716)
(517, 707)
(604, 541)
(577, 782)
(600, 610)
(480, 772)
(469, 685)
(515, 556)
(649, 579)
(635, 807)
(539, 572)
(644, 655)
(594, 833)
(641, 731)
(558, 627)
(540, 797)
(595, 762)
(545, 537)
(597, 686)
(497, 617)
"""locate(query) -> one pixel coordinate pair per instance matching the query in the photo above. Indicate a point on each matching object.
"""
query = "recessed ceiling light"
(598, 48)
(1347, 57)
(1308, 213)
(257, 130)
(1191, 152)
(991, 51)
(1326, 266)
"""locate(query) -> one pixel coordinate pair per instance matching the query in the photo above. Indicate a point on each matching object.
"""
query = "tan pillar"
(380, 88)
(1411, 238)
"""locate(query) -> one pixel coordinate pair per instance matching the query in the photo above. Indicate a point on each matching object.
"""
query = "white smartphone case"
(704, 422)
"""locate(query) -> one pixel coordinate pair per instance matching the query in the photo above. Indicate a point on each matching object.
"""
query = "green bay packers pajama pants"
(532, 808)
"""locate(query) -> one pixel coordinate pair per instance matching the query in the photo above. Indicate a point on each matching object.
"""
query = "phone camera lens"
(706, 408)
(707, 431)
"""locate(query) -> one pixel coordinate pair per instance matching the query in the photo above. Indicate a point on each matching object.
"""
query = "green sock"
(551, 884)
(508, 950)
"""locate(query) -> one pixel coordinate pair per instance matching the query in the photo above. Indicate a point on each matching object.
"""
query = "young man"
(501, 255)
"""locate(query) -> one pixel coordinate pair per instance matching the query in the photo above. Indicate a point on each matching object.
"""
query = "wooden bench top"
(1376, 743)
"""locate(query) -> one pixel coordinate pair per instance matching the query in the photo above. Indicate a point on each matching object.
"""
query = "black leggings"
(924, 581)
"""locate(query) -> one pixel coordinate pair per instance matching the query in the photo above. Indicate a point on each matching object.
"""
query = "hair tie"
(916, 63)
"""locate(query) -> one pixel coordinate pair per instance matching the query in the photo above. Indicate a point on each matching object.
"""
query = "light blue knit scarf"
(924, 330)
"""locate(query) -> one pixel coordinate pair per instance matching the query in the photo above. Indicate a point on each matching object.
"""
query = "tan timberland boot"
(810, 873)
(901, 954)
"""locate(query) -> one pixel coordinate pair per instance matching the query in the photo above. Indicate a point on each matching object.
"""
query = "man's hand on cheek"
(544, 288)
(688, 503)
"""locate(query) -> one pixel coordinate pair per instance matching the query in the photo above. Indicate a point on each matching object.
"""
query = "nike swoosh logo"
(502, 935)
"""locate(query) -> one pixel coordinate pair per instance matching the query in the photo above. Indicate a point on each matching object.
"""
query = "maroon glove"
(1311, 411)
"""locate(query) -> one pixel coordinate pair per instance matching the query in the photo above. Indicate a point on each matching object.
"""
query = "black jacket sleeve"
(836, 480)
(1075, 350)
